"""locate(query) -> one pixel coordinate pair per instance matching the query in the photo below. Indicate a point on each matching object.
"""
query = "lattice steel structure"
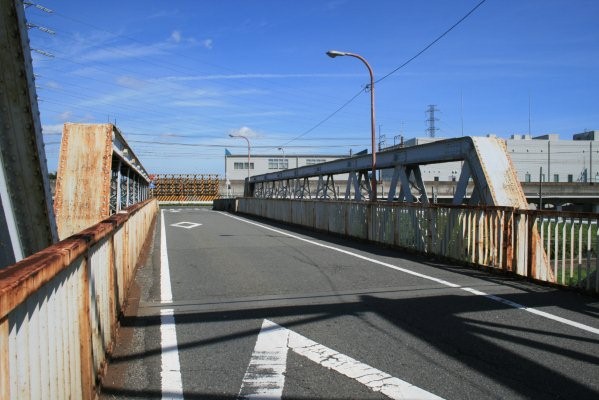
(484, 162)
(185, 188)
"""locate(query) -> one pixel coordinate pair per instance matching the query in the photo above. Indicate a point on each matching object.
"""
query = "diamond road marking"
(186, 225)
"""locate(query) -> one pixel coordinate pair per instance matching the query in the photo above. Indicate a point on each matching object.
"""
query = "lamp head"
(335, 53)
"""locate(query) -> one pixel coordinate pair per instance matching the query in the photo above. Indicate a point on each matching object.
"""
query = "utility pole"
(432, 108)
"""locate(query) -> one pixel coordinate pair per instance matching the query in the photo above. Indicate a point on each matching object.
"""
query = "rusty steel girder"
(98, 175)
(26, 216)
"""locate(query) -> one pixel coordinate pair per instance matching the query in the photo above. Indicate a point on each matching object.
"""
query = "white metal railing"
(59, 308)
(571, 245)
(556, 247)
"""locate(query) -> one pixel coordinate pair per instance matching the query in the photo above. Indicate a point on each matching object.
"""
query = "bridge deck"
(261, 307)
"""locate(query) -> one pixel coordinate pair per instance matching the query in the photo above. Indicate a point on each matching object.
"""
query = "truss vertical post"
(27, 221)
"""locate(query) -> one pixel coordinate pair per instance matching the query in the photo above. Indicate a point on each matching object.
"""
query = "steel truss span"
(485, 163)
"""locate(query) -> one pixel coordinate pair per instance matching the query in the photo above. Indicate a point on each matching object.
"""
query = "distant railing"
(556, 247)
(59, 308)
(185, 188)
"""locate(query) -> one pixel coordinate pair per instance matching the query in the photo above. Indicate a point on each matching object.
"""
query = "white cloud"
(55, 129)
(126, 51)
(65, 116)
(175, 37)
(199, 103)
(130, 82)
(258, 76)
(207, 43)
(244, 131)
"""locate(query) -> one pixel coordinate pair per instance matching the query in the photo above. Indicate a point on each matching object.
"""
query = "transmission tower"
(432, 108)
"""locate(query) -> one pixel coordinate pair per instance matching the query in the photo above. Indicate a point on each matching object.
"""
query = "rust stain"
(88, 387)
(19, 281)
(508, 259)
(4, 361)
(83, 178)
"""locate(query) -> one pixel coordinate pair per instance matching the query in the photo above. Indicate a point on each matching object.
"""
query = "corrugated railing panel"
(321, 215)
(357, 220)
(58, 308)
(549, 246)
(336, 217)
(101, 313)
(296, 212)
(118, 243)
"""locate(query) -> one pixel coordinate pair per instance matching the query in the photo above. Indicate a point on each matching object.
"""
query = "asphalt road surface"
(228, 306)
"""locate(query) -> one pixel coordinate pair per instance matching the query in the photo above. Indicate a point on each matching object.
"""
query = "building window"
(278, 163)
(312, 161)
(527, 177)
(555, 177)
(570, 178)
(242, 165)
(436, 179)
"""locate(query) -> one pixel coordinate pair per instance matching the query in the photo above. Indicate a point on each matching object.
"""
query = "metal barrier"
(59, 308)
(185, 188)
(522, 242)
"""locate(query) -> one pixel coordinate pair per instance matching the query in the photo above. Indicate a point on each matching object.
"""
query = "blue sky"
(178, 77)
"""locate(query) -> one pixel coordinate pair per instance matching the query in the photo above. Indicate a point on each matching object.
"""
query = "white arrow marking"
(265, 376)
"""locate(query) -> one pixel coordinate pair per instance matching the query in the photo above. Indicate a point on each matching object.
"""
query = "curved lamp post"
(333, 54)
(249, 159)
(283, 150)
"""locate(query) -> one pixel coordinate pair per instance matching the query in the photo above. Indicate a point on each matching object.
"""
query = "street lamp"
(333, 54)
(249, 159)
(283, 150)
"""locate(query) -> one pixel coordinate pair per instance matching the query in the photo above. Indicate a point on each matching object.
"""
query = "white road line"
(170, 374)
(430, 278)
(166, 295)
(265, 375)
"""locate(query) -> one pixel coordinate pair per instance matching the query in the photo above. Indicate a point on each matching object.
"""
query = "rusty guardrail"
(59, 308)
(522, 242)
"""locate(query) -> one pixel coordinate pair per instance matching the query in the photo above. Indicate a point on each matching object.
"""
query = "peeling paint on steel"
(500, 175)
(50, 292)
(83, 179)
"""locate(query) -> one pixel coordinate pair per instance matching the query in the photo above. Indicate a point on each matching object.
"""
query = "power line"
(331, 115)
(392, 72)
(431, 43)
(235, 146)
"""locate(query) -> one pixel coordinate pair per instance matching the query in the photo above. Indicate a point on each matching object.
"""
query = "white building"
(236, 166)
(545, 158)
